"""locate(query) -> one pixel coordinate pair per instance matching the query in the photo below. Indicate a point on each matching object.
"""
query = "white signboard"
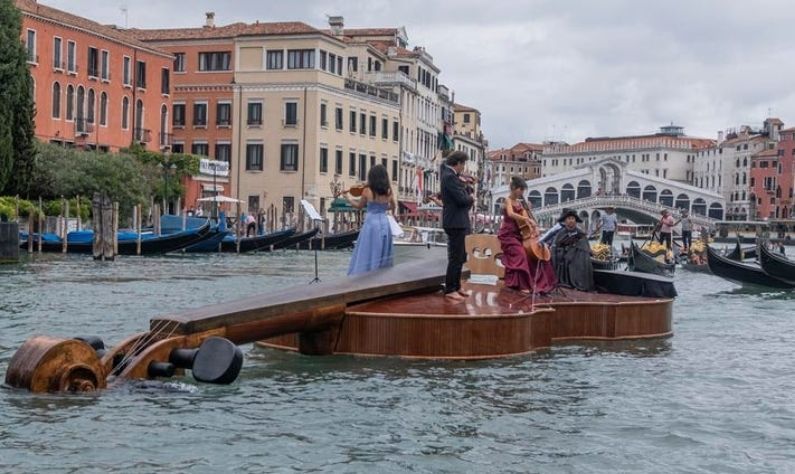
(213, 167)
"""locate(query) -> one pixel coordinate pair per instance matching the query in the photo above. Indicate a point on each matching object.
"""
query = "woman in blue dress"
(374, 245)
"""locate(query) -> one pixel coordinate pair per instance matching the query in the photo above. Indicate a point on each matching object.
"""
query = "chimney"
(210, 22)
(337, 23)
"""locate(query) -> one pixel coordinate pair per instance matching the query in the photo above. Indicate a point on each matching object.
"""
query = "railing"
(366, 89)
(166, 139)
(83, 126)
(628, 202)
(390, 78)
(142, 135)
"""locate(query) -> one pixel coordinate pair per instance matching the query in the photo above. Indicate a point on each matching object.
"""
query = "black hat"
(567, 213)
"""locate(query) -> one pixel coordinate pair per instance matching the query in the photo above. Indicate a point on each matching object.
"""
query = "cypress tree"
(17, 152)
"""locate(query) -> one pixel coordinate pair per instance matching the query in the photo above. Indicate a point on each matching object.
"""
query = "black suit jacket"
(455, 199)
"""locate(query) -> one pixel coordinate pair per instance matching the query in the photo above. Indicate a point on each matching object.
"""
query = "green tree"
(16, 105)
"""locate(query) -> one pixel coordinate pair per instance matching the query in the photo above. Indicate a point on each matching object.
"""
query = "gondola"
(694, 267)
(776, 265)
(294, 240)
(739, 253)
(639, 261)
(251, 244)
(342, 240)
(630, 283)
(612, 264)
(150, 245)
(211, 244)
(742, 273)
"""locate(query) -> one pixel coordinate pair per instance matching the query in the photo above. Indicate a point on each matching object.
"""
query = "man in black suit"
(455, 221)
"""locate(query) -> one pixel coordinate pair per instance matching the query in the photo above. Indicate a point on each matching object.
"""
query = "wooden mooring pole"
(64, 223)
(138, 214)
(41, 223)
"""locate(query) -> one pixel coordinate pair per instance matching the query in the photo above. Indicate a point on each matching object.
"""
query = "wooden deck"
(494, 322)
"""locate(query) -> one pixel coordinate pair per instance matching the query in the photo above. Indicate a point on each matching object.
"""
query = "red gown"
(520, 272)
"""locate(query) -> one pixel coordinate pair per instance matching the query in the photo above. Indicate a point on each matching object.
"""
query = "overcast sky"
(558, 69)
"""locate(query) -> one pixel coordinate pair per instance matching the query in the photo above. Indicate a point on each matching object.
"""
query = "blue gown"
(374, 246)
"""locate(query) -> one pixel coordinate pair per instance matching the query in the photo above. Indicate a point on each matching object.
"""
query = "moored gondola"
(150, 245)
(251, 244)
(639, 261)
(293, 241)
(341, 240)
(742, 273)
(776, 265)
(742, 253)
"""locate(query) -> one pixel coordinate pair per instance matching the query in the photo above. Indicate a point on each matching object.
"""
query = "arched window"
(103, 109)
(745, 162)
(164, 126)
(81, 110)
(738, 163)
(716, 211)
(667, 198)
(650, 193)
(550, 196)
(56, 100)
(633, 189)
(90, 110)
(700, 207)
(567, 193)
(70, 102)
(535, 199)
(125, 113)
(682, 201)
(737, 179)
(583, 189)
(745, 180)
(139, 120)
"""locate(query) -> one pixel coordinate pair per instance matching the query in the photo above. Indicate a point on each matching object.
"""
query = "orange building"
(95, 86)
(202, 120)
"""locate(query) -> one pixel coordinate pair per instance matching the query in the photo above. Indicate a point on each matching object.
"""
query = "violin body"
(536, 251)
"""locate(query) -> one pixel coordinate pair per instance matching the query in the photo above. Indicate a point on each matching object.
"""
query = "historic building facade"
(669, 154)
(726, 166)
(772, 181)
(522, 159)
(95, 87)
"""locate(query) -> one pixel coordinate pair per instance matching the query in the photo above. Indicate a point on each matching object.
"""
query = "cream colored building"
(385, 60)
(303, 124)
(468, 137)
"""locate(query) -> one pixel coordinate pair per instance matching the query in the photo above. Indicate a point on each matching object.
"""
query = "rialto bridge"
(639, 197)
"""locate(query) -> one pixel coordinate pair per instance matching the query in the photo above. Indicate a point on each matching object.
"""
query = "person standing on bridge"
(607, 225)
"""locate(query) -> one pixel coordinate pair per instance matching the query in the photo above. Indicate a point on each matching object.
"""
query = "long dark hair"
(518, 183)
(378, 180)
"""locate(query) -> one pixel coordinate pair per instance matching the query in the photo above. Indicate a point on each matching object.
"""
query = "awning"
(409, 206)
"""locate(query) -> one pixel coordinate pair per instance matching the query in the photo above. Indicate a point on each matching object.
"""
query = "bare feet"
(454, 297)
(525, 292)
(465, 294)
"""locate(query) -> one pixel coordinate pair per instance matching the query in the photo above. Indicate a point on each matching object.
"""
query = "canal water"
(716, 397)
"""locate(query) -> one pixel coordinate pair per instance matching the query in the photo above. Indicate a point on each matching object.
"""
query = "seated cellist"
(522, 273)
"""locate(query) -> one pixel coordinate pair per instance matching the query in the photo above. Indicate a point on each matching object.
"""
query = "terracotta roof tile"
(370, 31)
(464, 108)
(602, 144)
(32, 7)
(230, 31)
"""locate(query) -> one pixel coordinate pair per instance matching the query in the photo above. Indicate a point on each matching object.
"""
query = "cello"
(536, 251)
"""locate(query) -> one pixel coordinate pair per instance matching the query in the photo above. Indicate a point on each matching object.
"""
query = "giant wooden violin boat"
(397, 311)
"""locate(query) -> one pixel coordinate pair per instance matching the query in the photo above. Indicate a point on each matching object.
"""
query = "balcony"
(366, 89)
(142, 135)
(83, 127)
(382, 78)
(166, 140)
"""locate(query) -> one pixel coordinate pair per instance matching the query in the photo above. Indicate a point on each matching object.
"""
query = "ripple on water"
(714, 398)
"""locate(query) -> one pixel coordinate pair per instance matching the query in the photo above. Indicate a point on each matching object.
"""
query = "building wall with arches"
(82, 71)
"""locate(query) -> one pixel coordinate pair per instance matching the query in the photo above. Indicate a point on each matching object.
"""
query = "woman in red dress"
(520, 272)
